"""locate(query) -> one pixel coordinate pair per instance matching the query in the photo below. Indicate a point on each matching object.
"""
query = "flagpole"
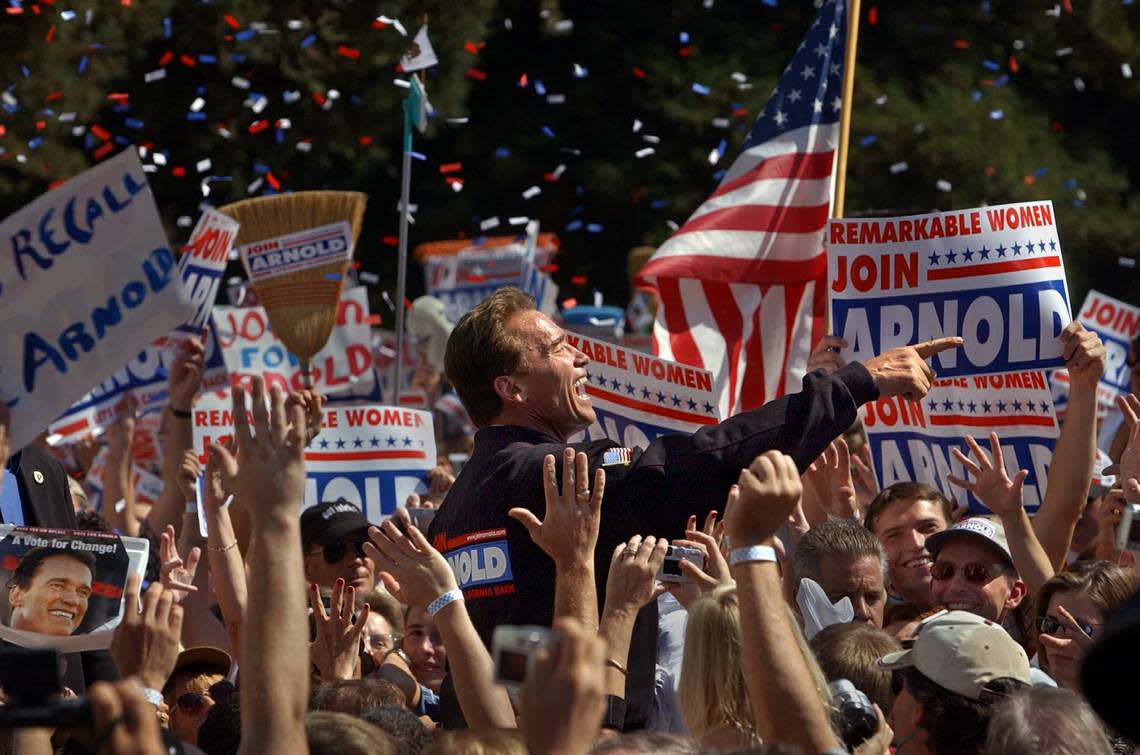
(401, 270)
(845, 114)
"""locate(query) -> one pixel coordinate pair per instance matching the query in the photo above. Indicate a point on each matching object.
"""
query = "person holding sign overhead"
(524, 386)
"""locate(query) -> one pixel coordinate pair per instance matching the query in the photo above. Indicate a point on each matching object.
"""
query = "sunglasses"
(334, 552)
(192, 702)
(1051, 626)
(975, 572)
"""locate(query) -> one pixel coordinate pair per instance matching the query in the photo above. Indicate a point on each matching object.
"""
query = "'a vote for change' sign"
(992, 275)
(912, 440)
(638, 397)
(371, 455)
(86, 278)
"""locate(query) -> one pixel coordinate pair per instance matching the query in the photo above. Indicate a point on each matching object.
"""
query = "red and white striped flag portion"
(741, 285)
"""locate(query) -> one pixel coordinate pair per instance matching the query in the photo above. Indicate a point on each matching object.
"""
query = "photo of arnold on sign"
(992, 275)
(64, 588)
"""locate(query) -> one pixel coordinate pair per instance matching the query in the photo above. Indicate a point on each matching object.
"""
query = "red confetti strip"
(550, 268)
(104, 150)
(100, 132)
(41, 125)
(473, 48)
(1029, 180)
(569, 303)
(454, 181)
(14, 10)
(740, 112)
(450, 167)
(961, 44)
(475, 73)
(258, 126)
(390, 240)
(166, 57)
(372, 320)
(54, 96)
(3, 129)
(35, 10)
(178, 171)
(355, 265)
(523, 80)
(686, 51)
(187, 61)
(233, 22)
(319, 98)
(365, 140)
(348, 52)
(1056, 126)
(272, 179)
(1068, 6)
(119, 97)
(639, 73)
(378, 24)
(990, 171)
(873, 16)
(50, 34)
(1013, 66)
(578, 280)
(550, 177)
(57, 182)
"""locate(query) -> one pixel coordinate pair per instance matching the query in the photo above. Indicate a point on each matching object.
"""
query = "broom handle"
(306, 374)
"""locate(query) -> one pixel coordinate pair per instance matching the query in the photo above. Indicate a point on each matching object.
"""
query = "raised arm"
(275, 643)
(785, 702)
(118, 493)
(227, 570)
(417, 575)
(1003, 496)
(185, 378)
(569, 533)
(1071, 471)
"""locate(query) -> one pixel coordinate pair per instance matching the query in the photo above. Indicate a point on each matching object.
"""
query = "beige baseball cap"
(962, 652)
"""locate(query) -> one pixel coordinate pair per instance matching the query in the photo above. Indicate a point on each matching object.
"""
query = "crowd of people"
(820, 614)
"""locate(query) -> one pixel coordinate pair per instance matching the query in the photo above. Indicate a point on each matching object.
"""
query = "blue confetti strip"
(700, 88)
(167, 28)
(548, 131)
(83, 64)
(991, 65)
(502, 152)
(574, 225)
(195, 116)
(245, 34)
(205, 59)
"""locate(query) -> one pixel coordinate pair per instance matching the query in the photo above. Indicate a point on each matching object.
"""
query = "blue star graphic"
(951, 257)
(933, 405)
(1016, 249)
(660, 397)
(407, 441)
(934, 258)
(692, 405)
(589, 377)
(1052, 246)
(961, 406)
(973, 407)
(709, 408)
(1030, 406)
(1000, 250)
(1041, 246)
(1044, 406)
(676, 400)
(340, 443)
(391, 440)
(324, 444)
(645, 392)
(986, 407)
(630, 389)
(947, 405)
(375, 442)
(358, 443)
(616, 384)
(1016, 405)
(1001, 406)
(984, 252)
(967, 256)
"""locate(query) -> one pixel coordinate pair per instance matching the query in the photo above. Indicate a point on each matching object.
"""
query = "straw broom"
(301, 305)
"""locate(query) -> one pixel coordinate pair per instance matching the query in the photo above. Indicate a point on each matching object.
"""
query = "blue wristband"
(446, 599)
(752, 553)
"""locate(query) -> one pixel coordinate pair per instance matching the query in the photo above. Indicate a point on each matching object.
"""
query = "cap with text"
(980, 528)
(330, 521)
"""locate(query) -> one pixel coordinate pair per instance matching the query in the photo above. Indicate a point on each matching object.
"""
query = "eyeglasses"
(380, 641)
(334, 552)
(191, 702)
(1051, 626)
(975, 572)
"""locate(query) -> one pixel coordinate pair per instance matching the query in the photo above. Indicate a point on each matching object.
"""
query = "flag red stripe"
(992, 269)
(732, 270)
(752, 386)
(760, 217)
(729, 322)
(680, 338)
(662, 411)
(793, 300)
(796, 165)
(363, 455)
(1018, 419)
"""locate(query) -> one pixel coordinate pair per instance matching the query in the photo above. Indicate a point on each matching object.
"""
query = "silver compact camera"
(513, 649)
(1128, 531)
(670, 570)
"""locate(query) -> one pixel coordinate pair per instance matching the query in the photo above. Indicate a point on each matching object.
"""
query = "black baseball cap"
(329, 522)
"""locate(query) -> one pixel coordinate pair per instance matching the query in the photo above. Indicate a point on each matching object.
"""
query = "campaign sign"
(1117, 323)
(89, 277)
(370, 455)
(201, 265)
(294, 252)
(638, 397)
(992, 275)
(250, 348)
(912, 440)
(65, 587)
(463, 280)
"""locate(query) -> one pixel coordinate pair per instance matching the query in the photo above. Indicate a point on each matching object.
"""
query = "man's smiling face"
(902, 528)
(56, 600)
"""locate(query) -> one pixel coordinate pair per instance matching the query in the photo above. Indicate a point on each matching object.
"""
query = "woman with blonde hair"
(713, 695)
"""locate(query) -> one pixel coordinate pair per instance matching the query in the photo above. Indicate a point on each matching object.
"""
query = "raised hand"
(702, 580)
(177, 577)
(992, 485)
(863, 474)
(336, 650)
(312, 403)
(221, 475)
(1084, 354)
(769, 490)
(830, 475)
(272, 475)
(185, 375)
(414, 572)
(632, 581)
(188, 472)
(1129, 465)
(146, 644)
(903, 371)
(569, 530)
(825, 356)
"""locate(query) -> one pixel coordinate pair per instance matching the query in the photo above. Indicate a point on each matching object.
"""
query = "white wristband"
(446, 599)
(153, 696)
(192, 506)
(752, 553)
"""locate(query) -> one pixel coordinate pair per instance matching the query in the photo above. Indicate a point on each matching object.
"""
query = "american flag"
(741, 285)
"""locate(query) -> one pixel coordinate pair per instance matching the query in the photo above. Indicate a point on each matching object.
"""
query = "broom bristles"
(302, 305)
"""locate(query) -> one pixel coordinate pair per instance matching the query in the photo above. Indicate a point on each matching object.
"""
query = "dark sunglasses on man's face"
(334, 552)
(191, 702)
(977, 573)
(1051, 626)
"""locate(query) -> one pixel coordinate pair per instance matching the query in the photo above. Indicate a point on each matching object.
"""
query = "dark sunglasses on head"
(191, 702)
(1051, 626)
(974, 572)
(334, 552)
